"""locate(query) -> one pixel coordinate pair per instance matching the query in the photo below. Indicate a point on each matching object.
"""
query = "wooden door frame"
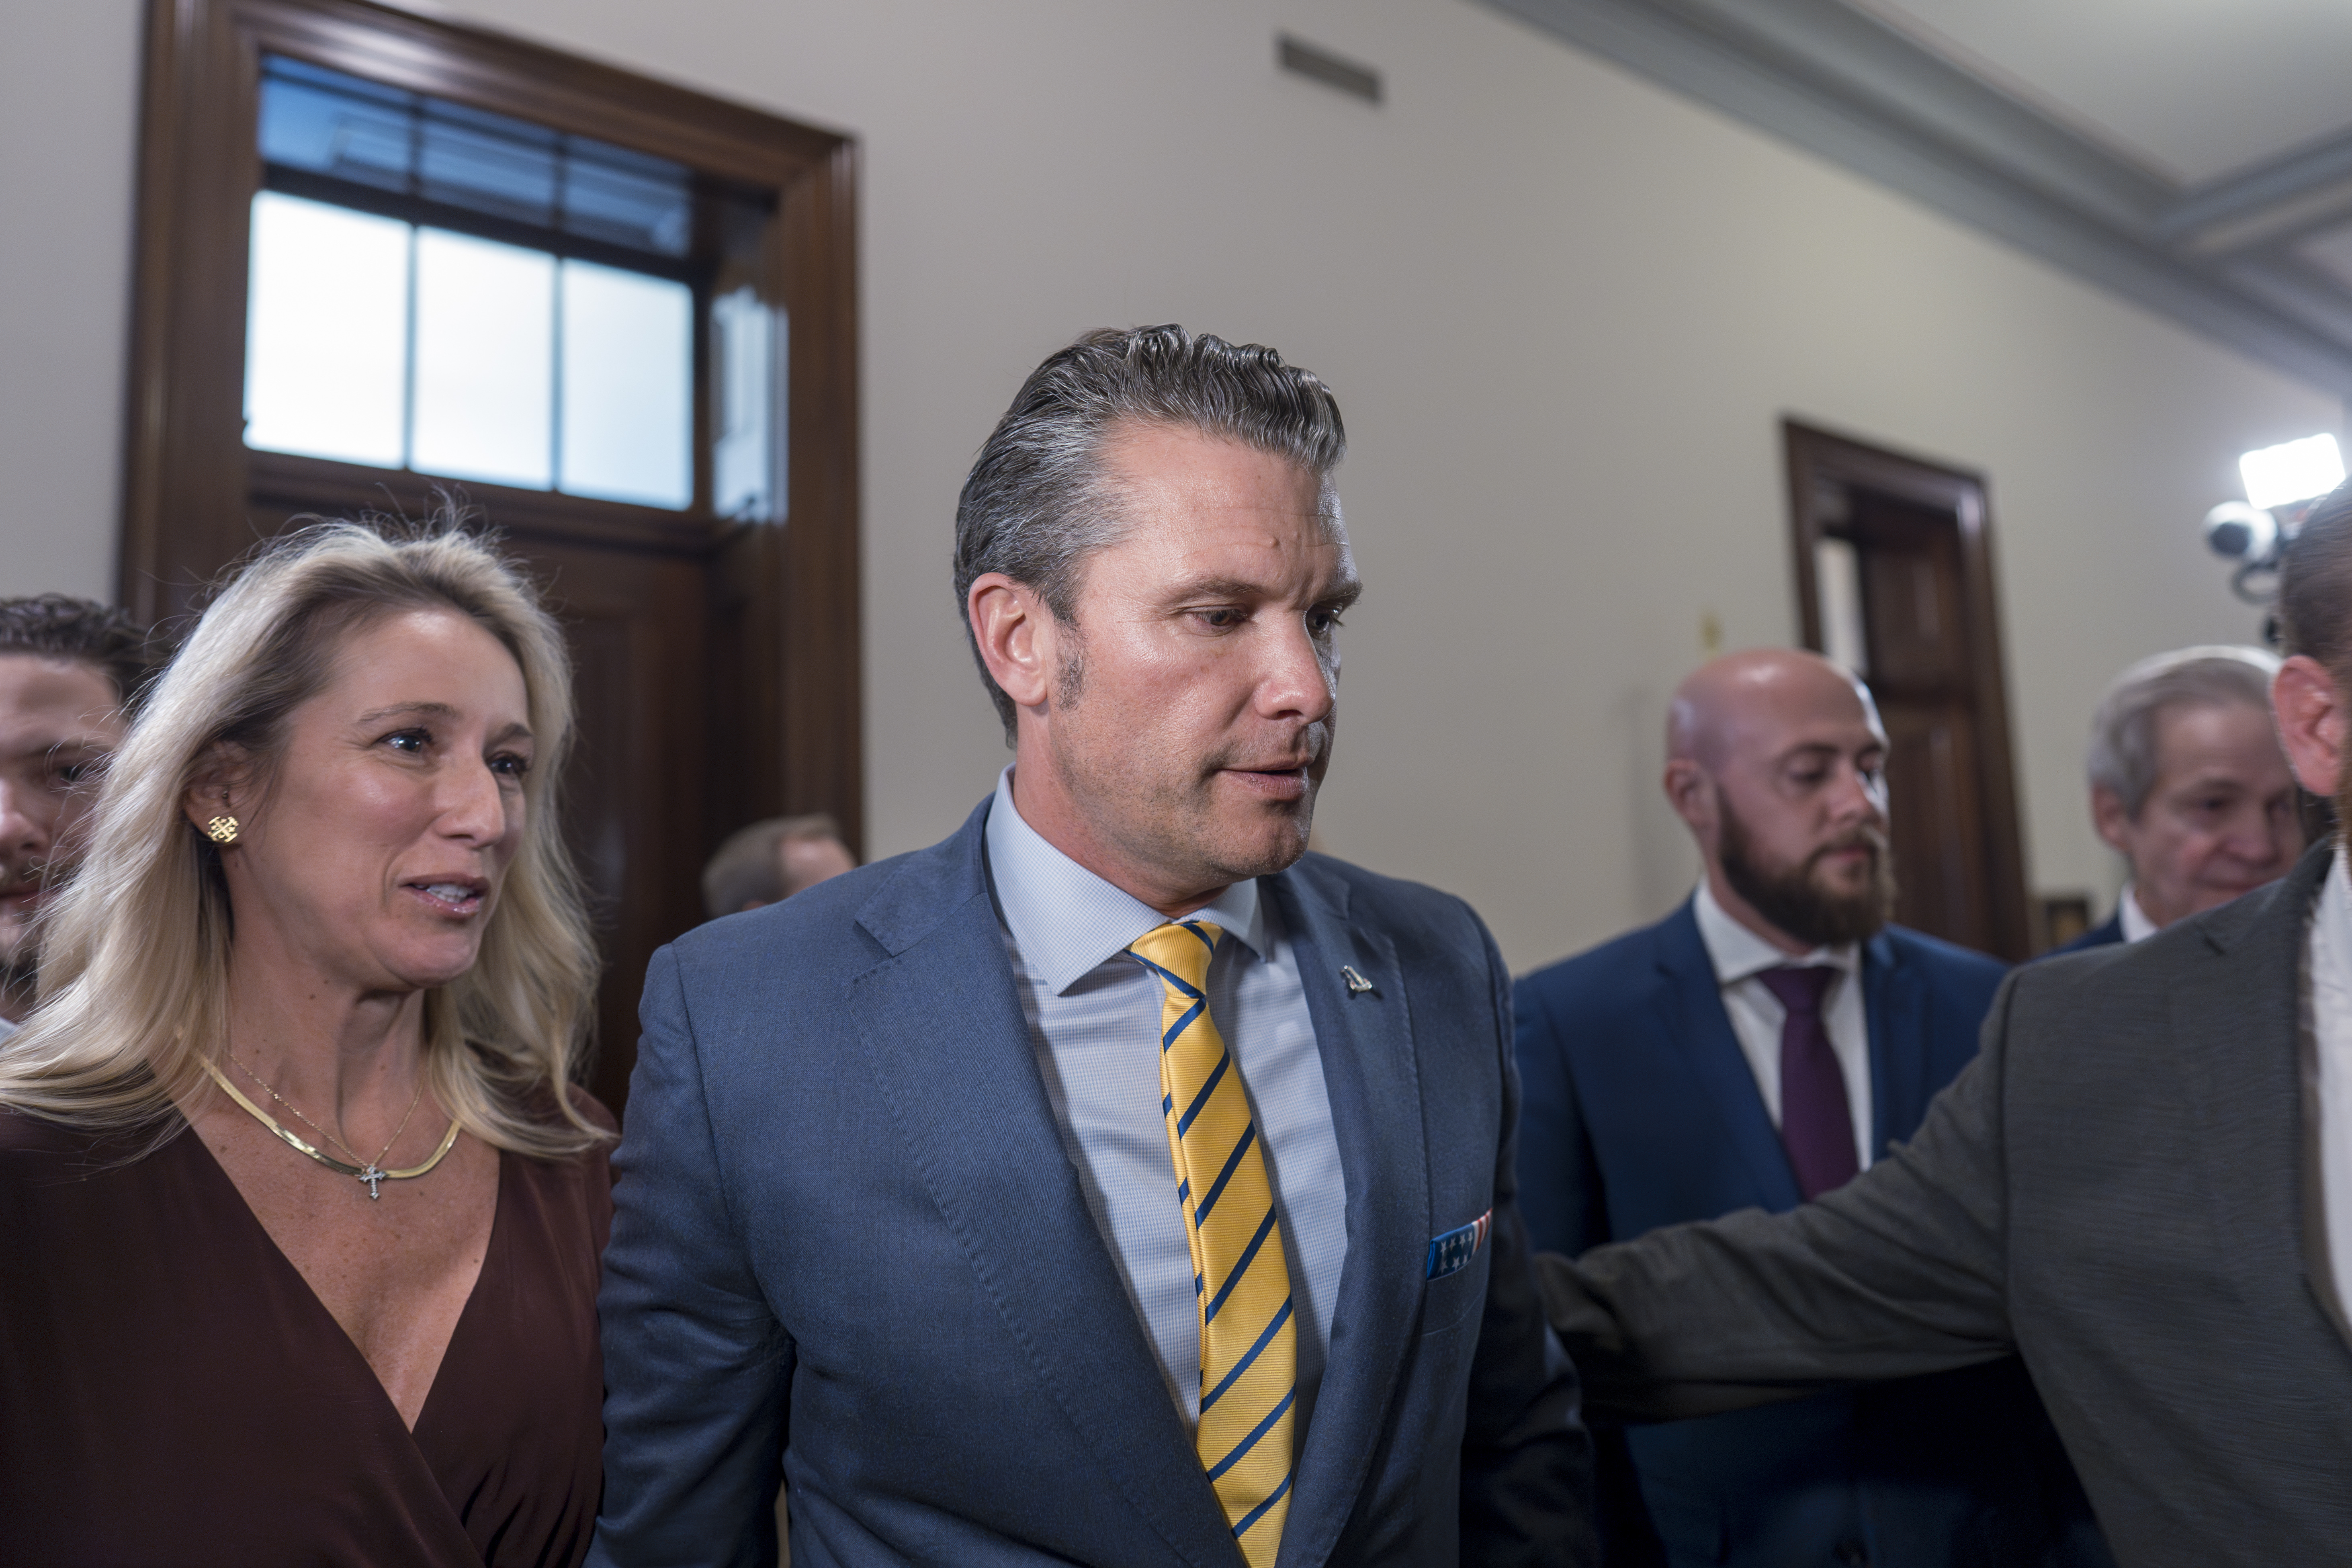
(790, 588)
(1816, 457)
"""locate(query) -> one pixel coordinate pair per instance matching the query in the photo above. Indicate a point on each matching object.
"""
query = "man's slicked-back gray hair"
(2123, 730)
(1037, 503)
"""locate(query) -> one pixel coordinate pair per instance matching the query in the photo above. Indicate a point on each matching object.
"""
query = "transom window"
(460, 293)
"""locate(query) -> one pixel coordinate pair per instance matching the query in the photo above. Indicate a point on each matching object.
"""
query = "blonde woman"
(300, 1216)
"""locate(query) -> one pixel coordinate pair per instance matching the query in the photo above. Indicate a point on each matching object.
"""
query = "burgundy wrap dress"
(172, 1393)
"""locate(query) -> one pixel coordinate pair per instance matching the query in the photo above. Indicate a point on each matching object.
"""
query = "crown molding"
(1849, 89)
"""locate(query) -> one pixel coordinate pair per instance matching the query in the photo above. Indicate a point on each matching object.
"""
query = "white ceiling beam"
(2306, 190)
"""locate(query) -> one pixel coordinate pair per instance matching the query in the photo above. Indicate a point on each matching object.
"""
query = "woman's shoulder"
(32, 1142)
(78, 1175)
(591, 1110)
(542, 1108)
(22, 1133)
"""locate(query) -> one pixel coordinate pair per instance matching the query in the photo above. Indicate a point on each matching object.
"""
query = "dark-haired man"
(1757, 1049)
(2143, 1184)
(68, 670)
(1113, 1182)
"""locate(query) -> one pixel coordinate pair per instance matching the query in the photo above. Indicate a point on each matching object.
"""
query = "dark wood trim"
(1820, 460)
(282, 482)
(821, 609)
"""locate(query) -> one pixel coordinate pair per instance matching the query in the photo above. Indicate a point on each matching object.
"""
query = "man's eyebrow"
(1221, 588)
(1342, 595)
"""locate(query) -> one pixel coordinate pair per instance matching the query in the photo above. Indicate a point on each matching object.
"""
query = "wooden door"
(1912, 540)
(632, 813)
(716, 651)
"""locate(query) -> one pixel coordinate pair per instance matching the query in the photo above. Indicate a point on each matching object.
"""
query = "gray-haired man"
(2190, 786)
(1107, 1184)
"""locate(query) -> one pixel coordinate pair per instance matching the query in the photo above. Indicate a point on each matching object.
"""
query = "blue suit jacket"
(847, 1238)
(2106, 935)
(1642, 1111)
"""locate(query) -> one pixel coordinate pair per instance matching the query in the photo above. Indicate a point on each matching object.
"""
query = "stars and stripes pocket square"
(1451, 1253)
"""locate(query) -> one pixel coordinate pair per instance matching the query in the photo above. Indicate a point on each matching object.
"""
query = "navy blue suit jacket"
(2106, 935)
(1642, 1111)
(848, 1240)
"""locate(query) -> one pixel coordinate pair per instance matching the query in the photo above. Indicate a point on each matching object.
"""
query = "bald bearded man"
(1759, 1046)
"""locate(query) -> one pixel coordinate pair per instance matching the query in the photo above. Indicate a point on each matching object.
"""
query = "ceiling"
(2195, 155)
(2191, 89)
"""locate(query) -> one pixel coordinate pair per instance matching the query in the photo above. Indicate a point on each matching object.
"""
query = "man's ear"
(2312, 724)
(2111, 821)
(1015, 631)
(1692, 795)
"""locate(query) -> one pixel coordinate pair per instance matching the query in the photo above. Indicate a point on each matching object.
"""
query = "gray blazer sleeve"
(1901, 1271)
(697, 1372)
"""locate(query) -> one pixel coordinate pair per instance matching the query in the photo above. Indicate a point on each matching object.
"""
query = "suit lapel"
(1371, 1071)
(947, 1039)
(1691, 1016)
(2237, 1023)
(1896, 1012)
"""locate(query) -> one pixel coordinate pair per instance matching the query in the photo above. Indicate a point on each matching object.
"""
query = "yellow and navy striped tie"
(1249, 1343)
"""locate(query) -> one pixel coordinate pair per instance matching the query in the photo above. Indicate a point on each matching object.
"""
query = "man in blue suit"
(2190, 786)
(1758, 1046)
(1112, 1183)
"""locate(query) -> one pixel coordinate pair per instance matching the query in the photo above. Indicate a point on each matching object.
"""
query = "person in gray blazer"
(2143, 1184)
(1112, 1183)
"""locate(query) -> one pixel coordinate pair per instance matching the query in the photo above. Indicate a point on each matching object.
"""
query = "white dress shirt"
(2331, 1020)
(1739, 955)
(1094, 1020)
(2136, 926)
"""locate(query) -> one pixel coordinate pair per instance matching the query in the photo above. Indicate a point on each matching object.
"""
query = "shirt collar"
(1068, 921)
(1738, 952)
(2331, 921)
(2136, 926)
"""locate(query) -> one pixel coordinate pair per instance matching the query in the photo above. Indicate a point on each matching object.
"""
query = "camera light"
(2278, 476)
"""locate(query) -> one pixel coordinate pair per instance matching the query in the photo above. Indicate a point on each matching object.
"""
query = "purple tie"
(1816, 1122)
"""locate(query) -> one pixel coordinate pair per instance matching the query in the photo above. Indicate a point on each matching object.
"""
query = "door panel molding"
(1835, 485)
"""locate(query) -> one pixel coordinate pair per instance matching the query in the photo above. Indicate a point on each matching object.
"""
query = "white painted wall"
(1564, 311)
(69, 130)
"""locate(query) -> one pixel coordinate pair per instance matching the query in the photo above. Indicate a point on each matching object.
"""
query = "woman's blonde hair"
(134, 957)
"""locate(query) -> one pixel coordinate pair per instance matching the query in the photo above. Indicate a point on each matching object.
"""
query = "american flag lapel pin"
(1357, 984)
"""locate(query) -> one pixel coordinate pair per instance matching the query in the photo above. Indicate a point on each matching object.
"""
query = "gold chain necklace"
(372, 1173)
(268, 1088)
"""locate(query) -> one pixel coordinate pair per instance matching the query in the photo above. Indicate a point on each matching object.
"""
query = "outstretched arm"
(697, 1372)
(1901, 1271)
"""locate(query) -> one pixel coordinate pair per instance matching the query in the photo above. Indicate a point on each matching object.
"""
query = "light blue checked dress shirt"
(1094, 1021)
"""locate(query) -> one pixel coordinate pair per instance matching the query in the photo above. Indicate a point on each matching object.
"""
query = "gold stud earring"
(222, 829)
